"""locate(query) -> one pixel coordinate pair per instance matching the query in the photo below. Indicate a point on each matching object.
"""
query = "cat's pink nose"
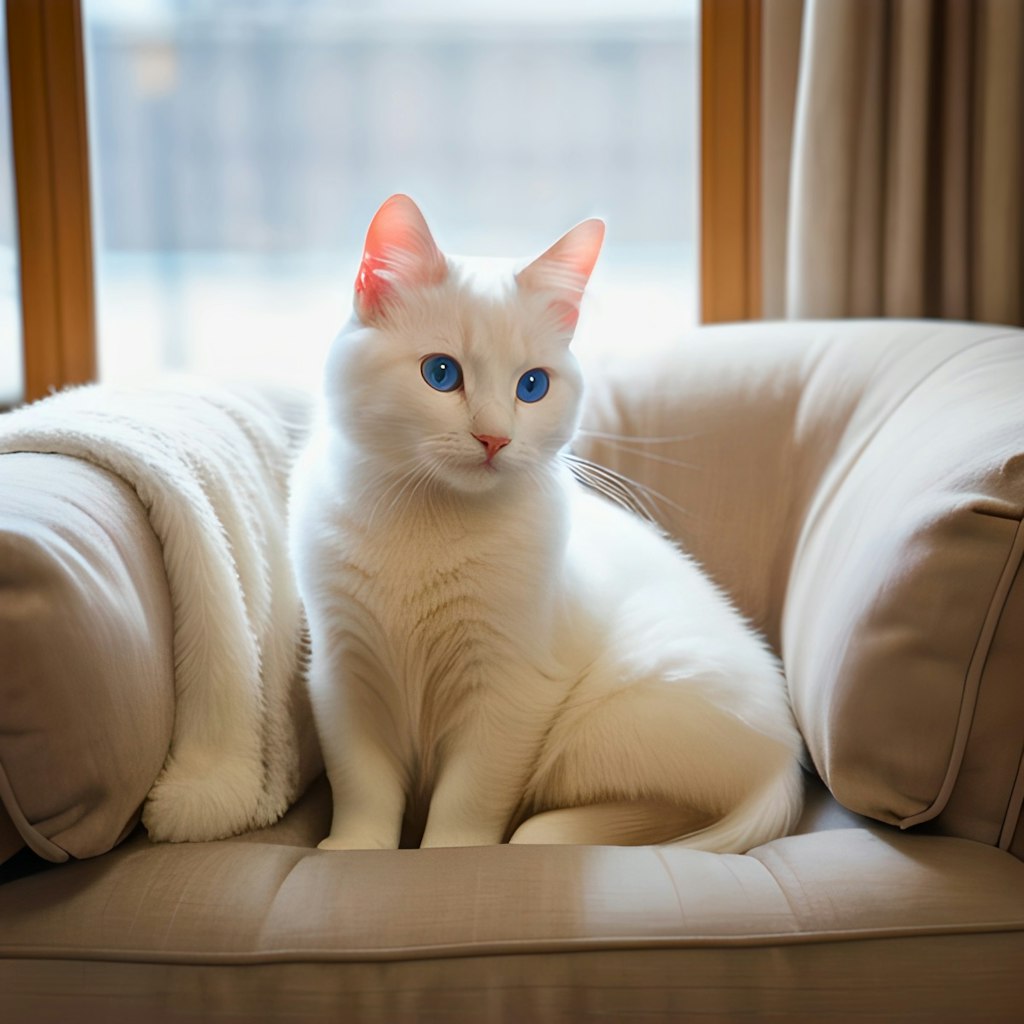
(492, 444)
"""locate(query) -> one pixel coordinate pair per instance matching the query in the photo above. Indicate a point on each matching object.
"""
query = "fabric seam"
(973, 678)
(34, 839)
(511, 947)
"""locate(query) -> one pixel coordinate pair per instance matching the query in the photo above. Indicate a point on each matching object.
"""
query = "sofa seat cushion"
(371, 927)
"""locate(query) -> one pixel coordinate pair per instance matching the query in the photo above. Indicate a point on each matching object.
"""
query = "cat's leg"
(480, 781)
(368, 794)
(367, 779)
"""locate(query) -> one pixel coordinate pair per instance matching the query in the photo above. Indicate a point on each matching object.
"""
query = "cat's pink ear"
(399, 251)
(563, 271)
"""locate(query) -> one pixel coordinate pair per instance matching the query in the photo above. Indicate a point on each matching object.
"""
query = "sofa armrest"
(86, 685)
(857, 487)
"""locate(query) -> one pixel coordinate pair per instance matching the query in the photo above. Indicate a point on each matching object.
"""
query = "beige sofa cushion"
(86, 684)
(858, 487)
(904, 621)
(843, 922)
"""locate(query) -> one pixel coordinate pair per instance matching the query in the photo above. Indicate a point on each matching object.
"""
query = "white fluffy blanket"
(210, 463)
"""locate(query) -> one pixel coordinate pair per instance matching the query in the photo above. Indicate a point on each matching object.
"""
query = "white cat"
(494, 646)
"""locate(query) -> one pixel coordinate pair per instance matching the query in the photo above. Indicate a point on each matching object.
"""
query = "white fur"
(211, 465)
(493, 642)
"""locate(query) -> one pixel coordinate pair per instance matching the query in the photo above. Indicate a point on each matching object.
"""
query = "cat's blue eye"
(441, 372)
(533, 386)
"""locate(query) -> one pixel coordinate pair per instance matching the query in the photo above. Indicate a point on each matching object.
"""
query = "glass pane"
(241, 148)
(11, 363)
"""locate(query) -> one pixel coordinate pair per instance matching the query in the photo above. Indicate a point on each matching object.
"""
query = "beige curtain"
(894, 158)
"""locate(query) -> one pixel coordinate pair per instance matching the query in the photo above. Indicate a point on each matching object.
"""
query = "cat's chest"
(416, 575)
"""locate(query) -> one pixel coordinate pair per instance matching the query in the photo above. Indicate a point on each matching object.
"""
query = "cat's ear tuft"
(564, 269)
(399, 251)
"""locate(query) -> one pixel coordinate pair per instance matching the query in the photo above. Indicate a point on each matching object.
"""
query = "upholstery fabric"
(86, 685)
(839, 481)
(264, 926)
(10, 838)
(899, 591)
(842, 982)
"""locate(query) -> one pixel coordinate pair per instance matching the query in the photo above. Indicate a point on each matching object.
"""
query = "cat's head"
(452, 377)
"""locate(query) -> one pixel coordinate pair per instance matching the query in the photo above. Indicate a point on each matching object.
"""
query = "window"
(10, 300)
(239, 150)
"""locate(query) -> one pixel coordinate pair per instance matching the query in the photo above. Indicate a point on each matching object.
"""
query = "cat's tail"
(768, 813)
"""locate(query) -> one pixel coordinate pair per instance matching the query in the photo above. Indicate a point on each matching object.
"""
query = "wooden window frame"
(46, 64)
(51, 169)
(730, 144)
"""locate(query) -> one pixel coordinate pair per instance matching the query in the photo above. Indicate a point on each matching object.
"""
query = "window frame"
(730, 231)
(46, 64)
(51, 170)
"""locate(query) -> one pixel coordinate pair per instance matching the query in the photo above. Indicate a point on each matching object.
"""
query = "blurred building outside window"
(239, 150)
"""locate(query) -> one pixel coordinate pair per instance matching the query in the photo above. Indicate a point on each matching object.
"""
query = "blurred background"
(239, 149)
(11, 359)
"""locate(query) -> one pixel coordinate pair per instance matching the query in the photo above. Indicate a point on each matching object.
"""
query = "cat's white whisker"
(663, 499)
(645, 489)
(394, 490)
(603, 435)
(400, 484)
(632, 450)
(425, 483)
(614, 485)
(617, 494)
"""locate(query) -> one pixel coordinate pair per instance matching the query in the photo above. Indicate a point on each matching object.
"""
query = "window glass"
(241, 148)
(11, 371)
